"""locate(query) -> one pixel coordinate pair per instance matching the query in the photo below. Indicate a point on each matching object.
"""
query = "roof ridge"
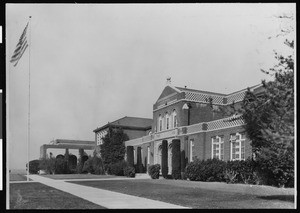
(244, 89)
(217, 93)
(201, 91)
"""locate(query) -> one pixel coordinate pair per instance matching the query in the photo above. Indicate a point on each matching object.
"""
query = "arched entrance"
(60, 156)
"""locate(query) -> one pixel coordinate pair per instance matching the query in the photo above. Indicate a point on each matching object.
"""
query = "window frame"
(241, 149)
(192, 144)
(220, 142)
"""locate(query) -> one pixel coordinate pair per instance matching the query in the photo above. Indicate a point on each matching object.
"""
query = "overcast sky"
(95, 63)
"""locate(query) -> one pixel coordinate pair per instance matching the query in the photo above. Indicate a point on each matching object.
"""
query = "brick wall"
(169, 110)
(132, 134)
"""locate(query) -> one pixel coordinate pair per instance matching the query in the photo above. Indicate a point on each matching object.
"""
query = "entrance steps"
(142, 176)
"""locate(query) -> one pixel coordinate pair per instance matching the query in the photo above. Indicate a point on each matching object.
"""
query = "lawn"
(39, 196)
(191, 194)
(77, 176)
(17, 177)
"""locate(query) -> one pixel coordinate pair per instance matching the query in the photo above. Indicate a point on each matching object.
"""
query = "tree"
(269, 118)
(113, 148)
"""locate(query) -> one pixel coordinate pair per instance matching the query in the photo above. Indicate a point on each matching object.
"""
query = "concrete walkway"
(105, 198)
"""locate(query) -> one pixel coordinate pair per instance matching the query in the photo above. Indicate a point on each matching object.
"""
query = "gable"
(167, 92)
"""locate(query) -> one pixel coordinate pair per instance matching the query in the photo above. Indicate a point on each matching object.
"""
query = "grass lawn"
(77, 176)
(39, 196)
(193, 195)
(17, 177)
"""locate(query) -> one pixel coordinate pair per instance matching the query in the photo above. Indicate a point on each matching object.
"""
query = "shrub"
(88, 166)
(34, 166)
(164, 159)
(97, 166)
(153, 171)
(61, 166)
(48, 165)
(129, 171)
(116, 168)
(241, 172)
(176, 170)
(277, 171)
(93, 166)
(130, 157)
(209, 170)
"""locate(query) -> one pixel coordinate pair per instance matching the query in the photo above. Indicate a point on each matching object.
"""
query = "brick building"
(195, 118)
(134, 127)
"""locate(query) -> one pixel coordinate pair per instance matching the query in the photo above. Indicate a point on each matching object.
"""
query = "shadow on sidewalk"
(288, 198)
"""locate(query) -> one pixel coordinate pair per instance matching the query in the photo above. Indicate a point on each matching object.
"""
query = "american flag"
(20, 48)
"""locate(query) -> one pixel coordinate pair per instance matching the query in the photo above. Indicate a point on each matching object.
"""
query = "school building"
(195, 117)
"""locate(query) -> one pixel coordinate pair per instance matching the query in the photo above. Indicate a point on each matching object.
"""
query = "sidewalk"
(105, 198)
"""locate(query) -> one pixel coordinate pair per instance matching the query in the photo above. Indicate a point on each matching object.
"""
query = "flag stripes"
(20, 48)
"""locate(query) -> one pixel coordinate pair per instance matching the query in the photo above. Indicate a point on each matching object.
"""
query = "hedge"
(93, 165)
(34, 166)
(164, 159)
(129, 171)
(130, 156)
(176, 170)
(117, 168)
(246, 172)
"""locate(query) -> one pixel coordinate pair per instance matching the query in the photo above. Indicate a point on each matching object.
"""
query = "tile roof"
(132, 122)
(204, 96)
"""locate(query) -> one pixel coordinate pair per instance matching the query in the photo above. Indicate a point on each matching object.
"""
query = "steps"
(142, 176)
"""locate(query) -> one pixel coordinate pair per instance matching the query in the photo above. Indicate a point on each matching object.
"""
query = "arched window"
(167, 121)
(174, 116)
(237, 146)
(159, 123)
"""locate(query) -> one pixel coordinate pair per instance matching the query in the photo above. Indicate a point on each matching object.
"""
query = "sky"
(94, 63)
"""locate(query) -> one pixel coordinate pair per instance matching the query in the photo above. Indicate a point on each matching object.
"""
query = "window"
(167, 121)
(98, 139)
(174, 119)
(100, 136)
(191, 149)
(218, 147)
(237, 142)
(160, 123)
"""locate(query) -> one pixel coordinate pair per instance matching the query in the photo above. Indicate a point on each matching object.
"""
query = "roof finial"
(168, 83)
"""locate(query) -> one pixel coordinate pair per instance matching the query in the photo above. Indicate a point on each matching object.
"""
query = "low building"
(196, 118)
(66, 146)
(134, 127)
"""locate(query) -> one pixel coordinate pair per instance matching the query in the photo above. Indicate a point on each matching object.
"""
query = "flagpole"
(28, 139)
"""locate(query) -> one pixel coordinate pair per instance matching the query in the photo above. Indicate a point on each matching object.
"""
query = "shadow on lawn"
(288, 198)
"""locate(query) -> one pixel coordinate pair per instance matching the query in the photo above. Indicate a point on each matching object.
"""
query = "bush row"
(93, 165)
(245, 171)
(120, 168)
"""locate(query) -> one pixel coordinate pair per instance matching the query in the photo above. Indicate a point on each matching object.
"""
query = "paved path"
(105, 198)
